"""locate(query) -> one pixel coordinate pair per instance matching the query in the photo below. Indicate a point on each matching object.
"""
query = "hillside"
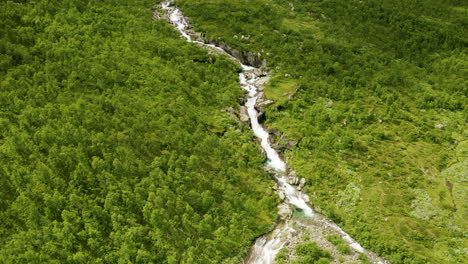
(374, 95)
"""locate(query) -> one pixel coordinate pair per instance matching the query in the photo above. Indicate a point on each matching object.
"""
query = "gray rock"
(259, 72)
(292, 178)
(281, 195)
(290, 144)
(261, 82)
(440, 126)
(260, 106)
(243, 114)
(260, 97)
(302, 182)
(260, 113)
(284, 211)
(292, 173)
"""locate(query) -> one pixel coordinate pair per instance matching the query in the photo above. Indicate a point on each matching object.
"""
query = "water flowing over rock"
(252, 77)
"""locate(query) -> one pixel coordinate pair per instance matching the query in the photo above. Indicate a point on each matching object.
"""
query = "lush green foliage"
(113, 144)
(339, 243)
(282, 256)
(310, 253)
(305, 253)
(375, 94)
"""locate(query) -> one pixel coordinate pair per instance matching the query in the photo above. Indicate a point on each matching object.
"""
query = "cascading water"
(266, 247)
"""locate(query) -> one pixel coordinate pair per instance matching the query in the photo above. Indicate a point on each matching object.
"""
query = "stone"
(292, 178)
(243, 114)
(258, 72)
(262, 81)
(440, 126)
(292, 173)
(260, 113)
(290, 144)
(230, 110)
(260, 97)
(291, 6)
(284, 211)
(302, 182)
(281, 195)
(266, 102)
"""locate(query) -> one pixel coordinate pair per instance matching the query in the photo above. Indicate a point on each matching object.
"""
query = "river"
(267, 246)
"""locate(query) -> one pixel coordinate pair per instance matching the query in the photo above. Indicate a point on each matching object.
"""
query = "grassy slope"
(376, 100)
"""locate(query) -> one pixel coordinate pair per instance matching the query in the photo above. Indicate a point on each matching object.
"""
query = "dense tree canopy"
(114, 146)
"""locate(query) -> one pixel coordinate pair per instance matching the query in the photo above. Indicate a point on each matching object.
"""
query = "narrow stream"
(267, 247)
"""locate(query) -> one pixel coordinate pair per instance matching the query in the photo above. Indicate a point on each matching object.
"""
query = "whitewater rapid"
(266, 247)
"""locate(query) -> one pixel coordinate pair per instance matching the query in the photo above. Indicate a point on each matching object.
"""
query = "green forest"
(115, 142)
(374, 94)
(118, 142)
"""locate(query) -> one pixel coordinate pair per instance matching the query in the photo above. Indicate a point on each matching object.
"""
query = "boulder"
(259, 72)
(242, 100)
(292, 173)
(292, 178)
(284, 211)
(262, 101)
(260, 97)
(247, 58)
(243, 114)
(290, 144)
(267, 102)
(281, 195)
(302, 182)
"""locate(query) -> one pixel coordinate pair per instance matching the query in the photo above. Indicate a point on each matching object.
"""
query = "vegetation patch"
(339, 243)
